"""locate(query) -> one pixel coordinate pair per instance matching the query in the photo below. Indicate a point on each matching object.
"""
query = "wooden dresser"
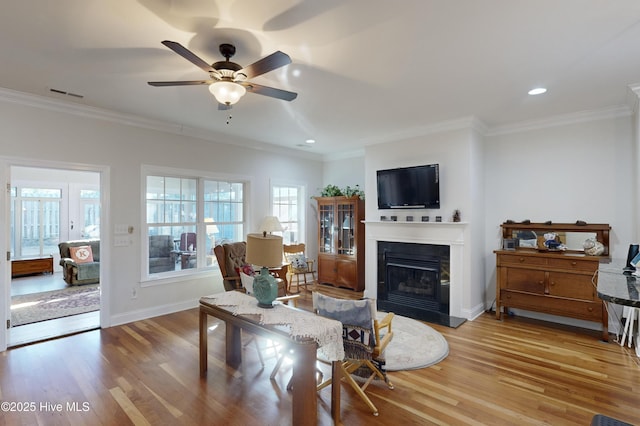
(552, 282)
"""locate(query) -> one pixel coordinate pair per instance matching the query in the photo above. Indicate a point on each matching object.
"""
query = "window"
(35, 221)
(185, 213)
(288, 206)
(90, 210)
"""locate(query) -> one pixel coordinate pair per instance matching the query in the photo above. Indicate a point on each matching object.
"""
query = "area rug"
(36, 307)
(414, 345)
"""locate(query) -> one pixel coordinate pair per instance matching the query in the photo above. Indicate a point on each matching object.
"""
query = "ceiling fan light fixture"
(227, 92)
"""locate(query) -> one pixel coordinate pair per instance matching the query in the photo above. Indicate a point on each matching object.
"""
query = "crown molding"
(85, 111)
(464, 123)
(562, 120)
(633, 96)
(343, 155)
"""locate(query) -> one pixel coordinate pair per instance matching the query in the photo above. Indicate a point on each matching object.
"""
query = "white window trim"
(302, 207)
(146, 279)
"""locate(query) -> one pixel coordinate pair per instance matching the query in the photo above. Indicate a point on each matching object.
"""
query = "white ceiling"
(365, 71)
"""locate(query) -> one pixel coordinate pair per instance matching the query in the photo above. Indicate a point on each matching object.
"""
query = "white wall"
(451, 150)
(579, 171)
(32, 134)
(459, 154)
(343, 172)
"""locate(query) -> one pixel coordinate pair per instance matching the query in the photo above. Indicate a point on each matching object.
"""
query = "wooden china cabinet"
(341, 242)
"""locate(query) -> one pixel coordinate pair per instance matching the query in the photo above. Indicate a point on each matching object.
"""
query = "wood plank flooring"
(514, 371)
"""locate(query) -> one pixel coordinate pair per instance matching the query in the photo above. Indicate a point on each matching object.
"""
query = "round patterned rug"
(414, 345)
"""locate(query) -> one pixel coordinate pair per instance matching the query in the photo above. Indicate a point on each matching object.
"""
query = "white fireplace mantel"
(453, 234)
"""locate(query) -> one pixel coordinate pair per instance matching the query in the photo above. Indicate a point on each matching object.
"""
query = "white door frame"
(105, 238)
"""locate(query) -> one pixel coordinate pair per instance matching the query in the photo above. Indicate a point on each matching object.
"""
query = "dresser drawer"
(527, 280)
(515, 259)
(574, 264)
(572, 286)
(589, 311)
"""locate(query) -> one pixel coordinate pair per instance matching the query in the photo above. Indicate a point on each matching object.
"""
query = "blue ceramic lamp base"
(265, 288)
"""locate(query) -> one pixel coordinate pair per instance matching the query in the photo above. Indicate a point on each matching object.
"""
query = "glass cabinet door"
(326, 229)
(345, 226)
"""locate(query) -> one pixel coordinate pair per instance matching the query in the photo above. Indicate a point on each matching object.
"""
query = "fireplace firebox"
(413, 280)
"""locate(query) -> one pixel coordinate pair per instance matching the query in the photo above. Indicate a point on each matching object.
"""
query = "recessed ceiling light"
(310, 141)
(537, 91)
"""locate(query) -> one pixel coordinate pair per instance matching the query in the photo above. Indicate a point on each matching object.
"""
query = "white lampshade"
(227, 92)
(270, 224)
(264, 250)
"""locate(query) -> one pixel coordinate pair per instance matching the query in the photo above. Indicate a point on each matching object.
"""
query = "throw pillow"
(299, 262)
(246, 269)
(247, 282)
(81, 254)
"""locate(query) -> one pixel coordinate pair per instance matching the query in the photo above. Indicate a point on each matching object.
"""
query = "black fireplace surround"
(413, 281)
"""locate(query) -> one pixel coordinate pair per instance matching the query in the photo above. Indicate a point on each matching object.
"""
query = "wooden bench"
(31, 266)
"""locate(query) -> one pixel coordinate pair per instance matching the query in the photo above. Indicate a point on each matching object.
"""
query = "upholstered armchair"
(82, 267)
(231, 257)
(161, 255)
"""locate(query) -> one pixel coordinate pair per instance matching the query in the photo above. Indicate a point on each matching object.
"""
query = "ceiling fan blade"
(269, 91)
(188, 55)
(268, 63)
(178, 83)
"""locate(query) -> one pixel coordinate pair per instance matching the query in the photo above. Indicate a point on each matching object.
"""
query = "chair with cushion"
(363, 338)
(80, 261)
(231, 257)
(162, 257)
(299, 265)
(187, 250)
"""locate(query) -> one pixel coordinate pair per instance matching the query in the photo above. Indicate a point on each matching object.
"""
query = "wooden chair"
(363, 354)
(299, 265)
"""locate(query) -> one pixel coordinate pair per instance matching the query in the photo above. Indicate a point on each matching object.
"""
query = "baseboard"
(155, 311)
(475, 312)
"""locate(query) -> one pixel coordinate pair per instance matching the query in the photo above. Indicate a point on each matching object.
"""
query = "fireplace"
(414, 281)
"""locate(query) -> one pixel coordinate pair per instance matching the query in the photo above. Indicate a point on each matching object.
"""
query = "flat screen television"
(415, 187)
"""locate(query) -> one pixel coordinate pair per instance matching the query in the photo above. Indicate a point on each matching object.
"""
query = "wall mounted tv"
(415, 187)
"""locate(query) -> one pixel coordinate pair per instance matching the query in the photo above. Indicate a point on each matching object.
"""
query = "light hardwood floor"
(510, 372)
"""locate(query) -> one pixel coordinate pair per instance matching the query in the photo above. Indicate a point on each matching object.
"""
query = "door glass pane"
(40, 230)
(326, 229)
(345, 229)
(91, 217)
(50, 227)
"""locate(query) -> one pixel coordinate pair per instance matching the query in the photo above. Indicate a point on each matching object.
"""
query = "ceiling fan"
(228, 80)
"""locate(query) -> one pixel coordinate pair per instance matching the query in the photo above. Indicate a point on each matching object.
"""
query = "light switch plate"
(121, 241)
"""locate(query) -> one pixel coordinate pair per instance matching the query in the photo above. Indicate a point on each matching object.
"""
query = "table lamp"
(265, 251)
(270, 224)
